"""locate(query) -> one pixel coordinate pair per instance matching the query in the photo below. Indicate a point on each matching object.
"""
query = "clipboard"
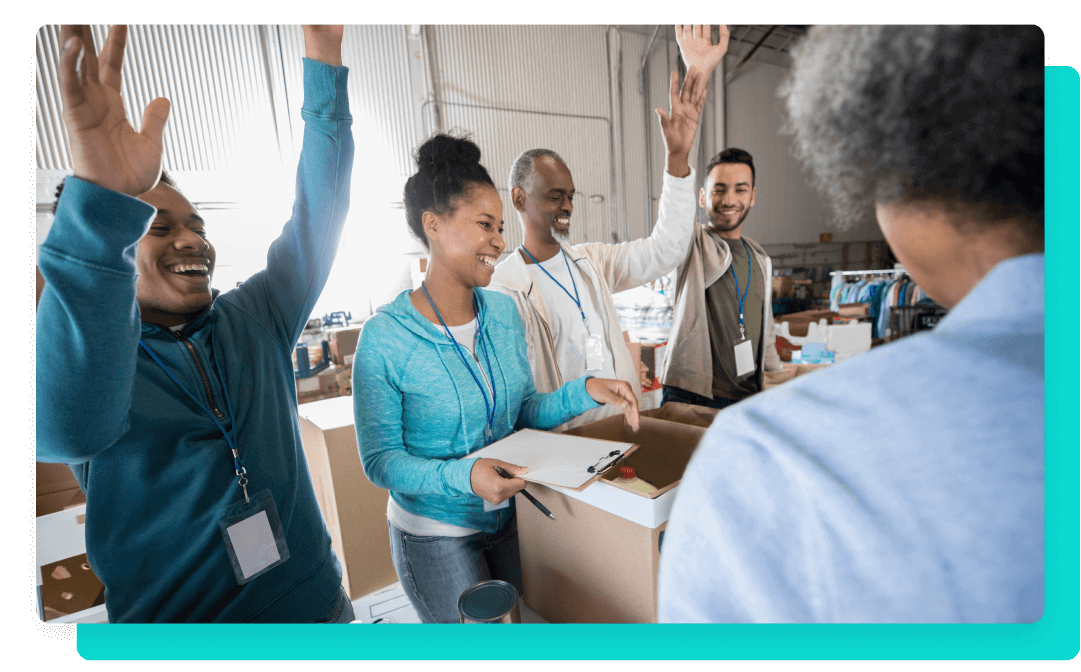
(558, 460)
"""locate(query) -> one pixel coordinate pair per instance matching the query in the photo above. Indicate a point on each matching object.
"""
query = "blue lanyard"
(489, 411)
(240, 470)
(575, 298)
(743, 299)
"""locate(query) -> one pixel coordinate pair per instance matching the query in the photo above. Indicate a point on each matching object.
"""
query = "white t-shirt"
(568, 331)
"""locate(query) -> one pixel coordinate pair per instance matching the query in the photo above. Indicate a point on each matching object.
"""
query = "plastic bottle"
(629, 479)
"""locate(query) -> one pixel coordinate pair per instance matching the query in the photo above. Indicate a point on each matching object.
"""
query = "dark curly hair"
(447, 168)
(946, 114)
(165, 178)
(732, 155)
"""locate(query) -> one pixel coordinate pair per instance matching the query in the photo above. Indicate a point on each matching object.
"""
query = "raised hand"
(695, 45)
(324, 43)
(617, 393)
(105, 149)
(679, 127)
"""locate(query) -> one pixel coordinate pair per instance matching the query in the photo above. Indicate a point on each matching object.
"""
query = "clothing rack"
(838, 277)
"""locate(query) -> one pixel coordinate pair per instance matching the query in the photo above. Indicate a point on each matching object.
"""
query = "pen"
(543, 509)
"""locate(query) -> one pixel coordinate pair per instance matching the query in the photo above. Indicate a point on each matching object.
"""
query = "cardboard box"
(345, 380)
(57, 489)
(782, 287)
(687, 414)
(323, 385)
(343, 344)
(355, 511)
(854, 310)
(597, 561)
(68, 587)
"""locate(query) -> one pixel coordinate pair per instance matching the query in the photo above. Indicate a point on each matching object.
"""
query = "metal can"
(489, 602)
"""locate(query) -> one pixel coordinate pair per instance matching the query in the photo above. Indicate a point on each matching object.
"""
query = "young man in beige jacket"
(722, 336)
(564, 292)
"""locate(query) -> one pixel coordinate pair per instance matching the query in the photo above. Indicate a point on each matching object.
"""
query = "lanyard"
(575, 298)
(240, 470)
(743, 299)
(489, 411)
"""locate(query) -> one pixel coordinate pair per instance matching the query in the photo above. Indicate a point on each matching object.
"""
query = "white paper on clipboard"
(555, 459)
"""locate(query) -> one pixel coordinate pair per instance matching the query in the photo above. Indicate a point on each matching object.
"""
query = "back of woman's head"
(447, 168)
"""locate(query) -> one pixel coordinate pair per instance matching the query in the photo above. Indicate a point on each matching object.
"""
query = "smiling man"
(905, 485)
(726, 278)
(176, 406)
(564, 292)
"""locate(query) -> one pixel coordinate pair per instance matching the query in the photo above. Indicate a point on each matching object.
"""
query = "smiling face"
(469, 240)
(546, 209)
(174, 259)
(728, 196)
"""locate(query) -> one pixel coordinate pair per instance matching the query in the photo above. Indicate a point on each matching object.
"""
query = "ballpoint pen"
(543, 509)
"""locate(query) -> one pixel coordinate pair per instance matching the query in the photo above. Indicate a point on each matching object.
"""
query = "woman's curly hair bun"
(443, 151)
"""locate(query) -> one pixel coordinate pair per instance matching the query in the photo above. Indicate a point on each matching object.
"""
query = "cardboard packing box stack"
(57, 489)
(323, 385)
(597, 561)
(343, 345)
(355, 511)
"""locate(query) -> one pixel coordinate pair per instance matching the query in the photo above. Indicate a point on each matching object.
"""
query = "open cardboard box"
(597, 561)
(355, 511)
(687, 414)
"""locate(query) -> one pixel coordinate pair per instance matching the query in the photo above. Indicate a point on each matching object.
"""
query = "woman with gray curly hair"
(905, 485)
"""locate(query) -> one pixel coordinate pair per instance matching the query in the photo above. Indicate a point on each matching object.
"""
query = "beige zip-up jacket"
(688, 359)
(607, 268)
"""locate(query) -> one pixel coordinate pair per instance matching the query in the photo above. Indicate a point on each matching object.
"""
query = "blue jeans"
(339, 610)
(435, 571)
(684, 397)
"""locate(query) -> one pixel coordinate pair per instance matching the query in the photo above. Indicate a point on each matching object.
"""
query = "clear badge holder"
(744, 359)
(594, 352)
(253, 536)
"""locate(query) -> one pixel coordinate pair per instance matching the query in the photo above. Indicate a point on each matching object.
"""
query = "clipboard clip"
(615, 453)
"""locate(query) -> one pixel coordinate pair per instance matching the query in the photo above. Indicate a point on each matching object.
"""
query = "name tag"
(594, 352)
(744, 358)
(253, 537)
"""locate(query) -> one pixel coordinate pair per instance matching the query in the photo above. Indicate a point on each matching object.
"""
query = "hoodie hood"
(401, 309)
(194, 325)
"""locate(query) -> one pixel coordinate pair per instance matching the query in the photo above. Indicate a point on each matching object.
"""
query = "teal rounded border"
(1054, 637)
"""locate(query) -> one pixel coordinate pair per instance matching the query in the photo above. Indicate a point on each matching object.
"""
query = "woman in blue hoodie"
(441, 372)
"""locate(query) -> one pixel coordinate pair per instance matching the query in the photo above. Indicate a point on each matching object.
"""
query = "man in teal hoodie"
(176, 407)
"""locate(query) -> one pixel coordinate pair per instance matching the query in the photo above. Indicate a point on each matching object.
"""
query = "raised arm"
(637, 262)
(299, 261)
(88, 318)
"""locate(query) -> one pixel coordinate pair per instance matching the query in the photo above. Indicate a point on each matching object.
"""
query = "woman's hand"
(490, 486)
(617, 393)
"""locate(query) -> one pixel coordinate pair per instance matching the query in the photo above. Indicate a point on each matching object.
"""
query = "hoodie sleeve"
(377, 409)
(636, 262)
(87, 322)
(298, 264)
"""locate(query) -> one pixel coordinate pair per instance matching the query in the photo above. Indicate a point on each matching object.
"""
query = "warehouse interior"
(587, 92)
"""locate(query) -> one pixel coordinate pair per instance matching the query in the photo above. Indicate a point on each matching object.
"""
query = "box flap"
(329, 413)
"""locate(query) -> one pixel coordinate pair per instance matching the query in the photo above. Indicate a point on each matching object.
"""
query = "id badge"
(253, 537)
(744, 358)
(594, 352)
(495, 507)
